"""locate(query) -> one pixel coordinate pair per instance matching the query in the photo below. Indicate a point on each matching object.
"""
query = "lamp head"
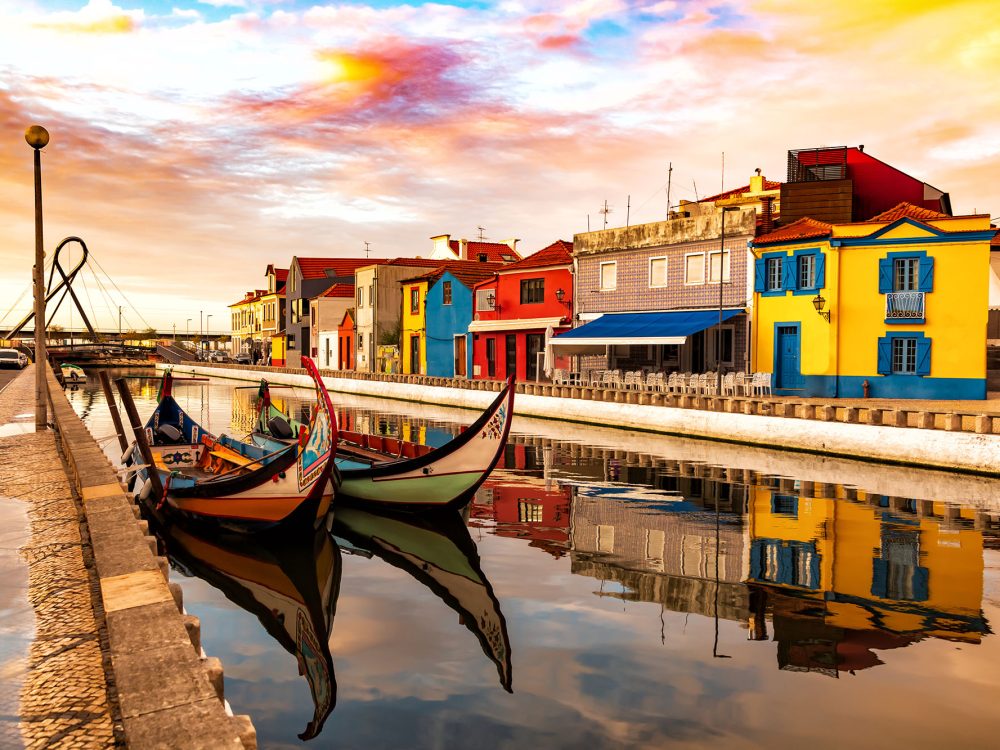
(819, 303)
(560, 294)
(37, 137)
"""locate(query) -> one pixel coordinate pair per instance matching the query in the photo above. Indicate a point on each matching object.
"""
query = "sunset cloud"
(308, 128)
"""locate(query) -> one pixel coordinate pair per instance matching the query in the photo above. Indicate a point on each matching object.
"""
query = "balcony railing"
(904, 306)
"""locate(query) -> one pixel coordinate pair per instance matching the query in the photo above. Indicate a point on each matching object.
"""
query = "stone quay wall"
(940, 439)
(168, 693)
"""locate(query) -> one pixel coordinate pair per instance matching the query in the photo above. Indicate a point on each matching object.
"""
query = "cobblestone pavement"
(64, 697)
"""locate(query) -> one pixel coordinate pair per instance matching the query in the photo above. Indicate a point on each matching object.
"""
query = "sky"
(195, 141)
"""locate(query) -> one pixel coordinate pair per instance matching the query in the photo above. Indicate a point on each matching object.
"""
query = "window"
(483, 300)
(807, 271)
(291, 341)
(905, 274)
(532, 291)
(772, 274)
(904, 356)
(491, 357)
(694, 268)
(528, 512)
(445, 292)
(713, 267)
(657, 272)
(609, 276)
(482, 257)
(725, 344)
(414, 300)
(371, 295)
(361, 296)
(361, 341)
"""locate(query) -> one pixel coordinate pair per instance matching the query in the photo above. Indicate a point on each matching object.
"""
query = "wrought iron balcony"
(904, 306)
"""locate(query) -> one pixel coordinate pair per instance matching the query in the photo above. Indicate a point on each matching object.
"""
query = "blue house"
(446, 344)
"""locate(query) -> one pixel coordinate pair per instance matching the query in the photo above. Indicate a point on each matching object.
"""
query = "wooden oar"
(262, 458)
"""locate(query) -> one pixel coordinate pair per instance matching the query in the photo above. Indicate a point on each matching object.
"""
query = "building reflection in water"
(831, 574)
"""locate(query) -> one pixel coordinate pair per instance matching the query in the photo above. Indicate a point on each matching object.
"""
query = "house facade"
(649, 296)
(247, 324)
(273, 314)
(518, 311)
(346, 341)
(441, 321)
(894, 307)
(444, 248)
(326, 312)
(308, 278)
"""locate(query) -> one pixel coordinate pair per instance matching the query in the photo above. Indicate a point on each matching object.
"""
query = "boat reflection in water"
(437, 550)
(292, 588)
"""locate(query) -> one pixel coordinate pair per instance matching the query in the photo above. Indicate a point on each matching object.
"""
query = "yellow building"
(247, 319)
(895, 307)
(413, 326)
(868, 565)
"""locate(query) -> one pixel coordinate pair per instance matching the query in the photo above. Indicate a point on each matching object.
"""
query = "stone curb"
(169, 694)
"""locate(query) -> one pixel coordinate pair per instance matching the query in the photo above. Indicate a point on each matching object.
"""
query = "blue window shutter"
(880, 573)
(790, 280)
(884, 275)
(759, 270)
(923, 356)
(926, 281)
(885, 356)
(820, 270)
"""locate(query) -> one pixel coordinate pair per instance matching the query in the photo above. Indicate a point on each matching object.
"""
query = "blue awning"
(641, 328)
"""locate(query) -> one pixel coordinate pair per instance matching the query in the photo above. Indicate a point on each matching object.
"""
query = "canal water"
(607, 590)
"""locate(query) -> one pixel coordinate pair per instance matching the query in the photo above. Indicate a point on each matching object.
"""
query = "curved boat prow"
(314, 463)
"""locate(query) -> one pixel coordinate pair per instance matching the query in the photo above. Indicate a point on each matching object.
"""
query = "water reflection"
(621, 564)
(292, 589)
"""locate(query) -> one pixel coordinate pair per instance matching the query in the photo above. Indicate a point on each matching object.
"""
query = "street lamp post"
(718, 330)
(208, 324)
(38, 137)
(187, 329)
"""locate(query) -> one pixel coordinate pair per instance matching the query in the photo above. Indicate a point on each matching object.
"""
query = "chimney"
(463, 249)
(766, 214)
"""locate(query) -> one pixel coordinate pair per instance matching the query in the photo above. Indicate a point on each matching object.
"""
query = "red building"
(515, 310)
(346, 341)
(530, 510)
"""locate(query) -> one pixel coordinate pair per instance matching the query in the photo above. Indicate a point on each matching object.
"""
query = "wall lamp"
(491, 299)
(819, 303)
(560, 294)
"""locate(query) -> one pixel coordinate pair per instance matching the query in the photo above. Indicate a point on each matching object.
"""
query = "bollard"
(925, 420)
(193, 626)
(851, 415)
(894, 418)
(952, 422)
(874, 416)
(984, 424)
(213, 668)
(749, 407)
(806, 411)
(826, 413)
(178, 593)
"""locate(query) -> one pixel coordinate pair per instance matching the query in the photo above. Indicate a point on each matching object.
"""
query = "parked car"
(13, 358)
(218, 357)
(242, 359)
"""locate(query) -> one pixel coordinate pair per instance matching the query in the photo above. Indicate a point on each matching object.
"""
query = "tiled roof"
(316, 268)
(250, 297)
(419, 262)
(802, 229)
(768, 185)
(559, 253)
(909, 211)
(496, 252)
(339, 290)
(280, 274)
(995, 242)
(469, 272)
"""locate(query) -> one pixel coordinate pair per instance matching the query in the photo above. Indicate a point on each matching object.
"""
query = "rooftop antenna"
(696, 198)
(588, 222)
(628, 210)
(722, 186)
(605, 211)
(367, 249)
(482, 236)
(670, 174)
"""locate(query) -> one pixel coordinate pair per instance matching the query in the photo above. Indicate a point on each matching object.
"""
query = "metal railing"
(904, 305)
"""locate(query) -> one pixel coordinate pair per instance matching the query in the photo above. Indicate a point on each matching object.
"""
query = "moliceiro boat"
(242, 486)
(411, 476)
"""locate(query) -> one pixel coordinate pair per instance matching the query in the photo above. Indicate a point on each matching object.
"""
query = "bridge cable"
(127, 300)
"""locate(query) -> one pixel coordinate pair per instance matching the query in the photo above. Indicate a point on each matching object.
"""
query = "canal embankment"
(114, 660)
(919, 434)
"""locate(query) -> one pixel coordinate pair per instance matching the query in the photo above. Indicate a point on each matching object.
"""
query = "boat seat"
(222, 453)
(279, 428)
(169, 432)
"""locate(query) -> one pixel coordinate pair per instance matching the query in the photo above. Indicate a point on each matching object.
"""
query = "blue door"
(788, 374)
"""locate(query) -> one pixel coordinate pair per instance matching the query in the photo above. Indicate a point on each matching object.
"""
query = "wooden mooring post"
(113, 408)
(140, 435)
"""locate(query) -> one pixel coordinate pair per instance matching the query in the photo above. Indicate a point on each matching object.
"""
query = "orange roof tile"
(803, 229)
(909, 211)
(995, 242)
(339, 290)
(559, 253)
(316, 268)
(495, 252)
(469, 272)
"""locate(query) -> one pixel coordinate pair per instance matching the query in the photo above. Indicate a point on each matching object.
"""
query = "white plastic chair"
(707, 384)
(740, 384)
(729, 384)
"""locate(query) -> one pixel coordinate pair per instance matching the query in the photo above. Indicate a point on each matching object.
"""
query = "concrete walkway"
(65, 699)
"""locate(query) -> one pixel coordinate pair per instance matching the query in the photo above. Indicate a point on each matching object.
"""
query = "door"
(511, 355)
(787, 371)
(533, 343)
(698, 352)
(460, 357)
(415, 355)
(327, 347)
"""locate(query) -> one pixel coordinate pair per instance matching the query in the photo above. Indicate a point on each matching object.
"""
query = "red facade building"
(517, 309)
(346, 341)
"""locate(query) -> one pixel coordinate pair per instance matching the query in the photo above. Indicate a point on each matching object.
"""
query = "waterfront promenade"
(111, 660)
